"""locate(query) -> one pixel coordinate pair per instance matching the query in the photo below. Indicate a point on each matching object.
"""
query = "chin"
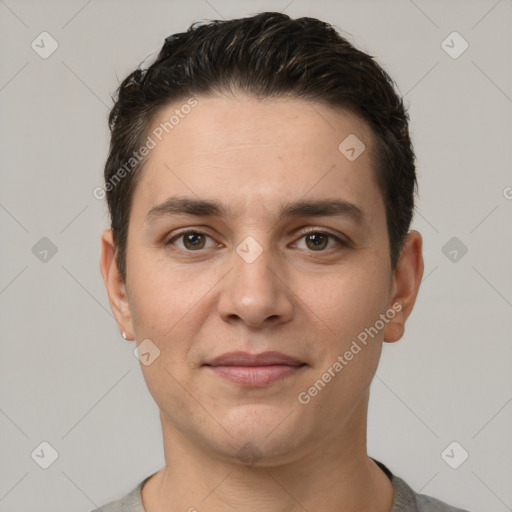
(259, 437)
(258, 451)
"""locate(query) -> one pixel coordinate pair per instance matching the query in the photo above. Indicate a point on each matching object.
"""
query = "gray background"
(66, 376)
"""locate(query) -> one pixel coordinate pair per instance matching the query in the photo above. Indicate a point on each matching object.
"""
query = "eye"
(192, 240)
(319, 240)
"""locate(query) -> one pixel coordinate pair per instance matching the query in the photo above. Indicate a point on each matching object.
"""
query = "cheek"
(346, 355)
(169, 305)
(158, 295)
(342, 305)
(167, 308)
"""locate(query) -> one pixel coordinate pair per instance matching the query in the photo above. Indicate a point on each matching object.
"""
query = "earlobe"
(394, 331)
(115, 286)
(406, 282)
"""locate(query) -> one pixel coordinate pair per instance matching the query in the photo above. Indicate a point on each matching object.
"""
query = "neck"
(333, 473)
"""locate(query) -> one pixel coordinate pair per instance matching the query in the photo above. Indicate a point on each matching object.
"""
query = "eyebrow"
(211, 208)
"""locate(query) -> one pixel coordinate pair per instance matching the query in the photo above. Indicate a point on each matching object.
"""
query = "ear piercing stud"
(124, 335)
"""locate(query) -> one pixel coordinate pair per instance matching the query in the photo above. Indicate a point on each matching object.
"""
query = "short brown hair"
(266, 55)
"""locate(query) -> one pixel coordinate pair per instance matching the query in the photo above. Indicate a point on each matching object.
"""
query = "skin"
(255, 155)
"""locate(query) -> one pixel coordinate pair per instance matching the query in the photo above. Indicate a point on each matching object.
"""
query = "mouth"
(255, 370)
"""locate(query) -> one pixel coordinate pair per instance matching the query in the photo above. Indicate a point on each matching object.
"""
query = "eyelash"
(301, 235)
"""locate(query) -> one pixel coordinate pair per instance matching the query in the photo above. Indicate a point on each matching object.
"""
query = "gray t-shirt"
(405, 499)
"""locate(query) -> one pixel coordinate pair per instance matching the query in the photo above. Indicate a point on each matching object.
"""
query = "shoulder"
(407, 500)
(429, 504)
(131, 502)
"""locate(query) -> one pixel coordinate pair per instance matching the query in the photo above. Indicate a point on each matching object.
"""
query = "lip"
(247, 359)
(255, 370)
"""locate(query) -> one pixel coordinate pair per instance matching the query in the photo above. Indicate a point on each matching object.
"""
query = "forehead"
(254, 153)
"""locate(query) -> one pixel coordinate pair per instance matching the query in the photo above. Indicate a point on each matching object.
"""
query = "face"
(257, 290)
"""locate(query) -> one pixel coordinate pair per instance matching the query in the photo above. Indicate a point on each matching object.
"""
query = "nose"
(256, 292)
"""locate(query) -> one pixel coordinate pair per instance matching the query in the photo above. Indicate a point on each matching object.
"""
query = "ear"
(405, 285)
(116, 288)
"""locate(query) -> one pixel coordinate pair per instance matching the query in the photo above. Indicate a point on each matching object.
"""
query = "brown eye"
(317, 241)
(191, 241)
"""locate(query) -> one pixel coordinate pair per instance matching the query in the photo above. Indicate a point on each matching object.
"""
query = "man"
(261, 183)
